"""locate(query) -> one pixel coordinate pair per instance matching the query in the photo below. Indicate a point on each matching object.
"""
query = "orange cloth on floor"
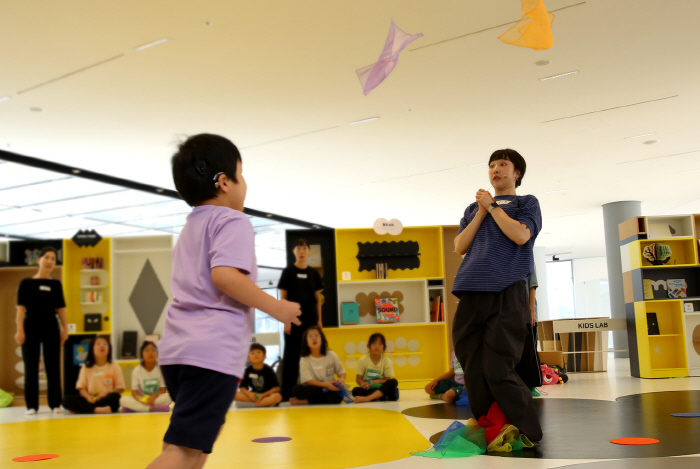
(534, 30)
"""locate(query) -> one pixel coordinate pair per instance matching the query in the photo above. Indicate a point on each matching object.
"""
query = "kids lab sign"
(590, 325)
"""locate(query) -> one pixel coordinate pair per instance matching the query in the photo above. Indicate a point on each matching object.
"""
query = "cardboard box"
(552, 358)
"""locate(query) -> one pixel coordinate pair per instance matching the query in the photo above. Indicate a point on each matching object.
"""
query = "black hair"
(257, 346)
(305, 349)
(145, 344)
(48, 249)
(376, 336)
(515, 158)
(301, 242)
(198, 160)
(90, 360)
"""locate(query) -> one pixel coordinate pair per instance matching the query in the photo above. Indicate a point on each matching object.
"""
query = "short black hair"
(145, 344)
(515, 158)
(374, 337)
(198, 160)
(90, 360)
(257, 346)
(301, 242)
(305, 349)
(48, 249)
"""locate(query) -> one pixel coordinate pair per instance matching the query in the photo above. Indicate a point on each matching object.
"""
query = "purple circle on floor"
(272, 439)
(687, 415)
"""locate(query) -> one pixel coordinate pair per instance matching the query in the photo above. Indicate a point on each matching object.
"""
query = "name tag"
(503, 202)
(253, 375)
(302, 276)
(44, 288)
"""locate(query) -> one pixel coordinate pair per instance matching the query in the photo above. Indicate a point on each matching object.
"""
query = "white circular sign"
(401, 360)
(413, 345)
(400, 343)
(413, 360)
(362, 347)
(389, 346)
(383, 226)
(350, 348)
(351, 363)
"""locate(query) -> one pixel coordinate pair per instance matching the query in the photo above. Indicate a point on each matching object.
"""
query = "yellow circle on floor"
(322, 437)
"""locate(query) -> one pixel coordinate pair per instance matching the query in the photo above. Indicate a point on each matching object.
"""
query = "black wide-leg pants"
(489, 333)
(48, 335)
(290, 359)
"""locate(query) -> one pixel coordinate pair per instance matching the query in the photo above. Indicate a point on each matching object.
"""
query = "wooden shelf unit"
(667, 354)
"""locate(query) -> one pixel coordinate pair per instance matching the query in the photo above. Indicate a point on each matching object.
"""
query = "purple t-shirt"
(204, 327)
(459, 373)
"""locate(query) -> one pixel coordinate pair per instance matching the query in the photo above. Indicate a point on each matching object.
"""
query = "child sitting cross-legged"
(259, 386)
(448, 386)
(148, 391)
(374, 374)
(318, 367)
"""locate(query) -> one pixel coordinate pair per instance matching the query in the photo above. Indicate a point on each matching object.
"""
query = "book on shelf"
(91, 296)
(435, 308)
(648, 289)
(381, 270)
(387, 310)
(93, 263)
(677, 288)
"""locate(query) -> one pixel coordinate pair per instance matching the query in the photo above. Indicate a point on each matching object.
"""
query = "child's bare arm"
(239, 287)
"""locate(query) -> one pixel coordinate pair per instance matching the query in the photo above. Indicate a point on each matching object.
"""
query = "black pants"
(316, 395)
(77, 403)
(290, 362)
(48, 335)
(388, 389)
(489, 333)
(529, 367)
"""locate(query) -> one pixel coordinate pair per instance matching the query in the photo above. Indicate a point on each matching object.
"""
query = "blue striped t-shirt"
(493, 261)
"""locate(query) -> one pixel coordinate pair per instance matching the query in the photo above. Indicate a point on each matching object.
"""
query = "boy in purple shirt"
(208, 326)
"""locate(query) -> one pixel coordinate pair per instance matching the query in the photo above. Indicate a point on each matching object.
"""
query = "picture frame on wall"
(652, 324)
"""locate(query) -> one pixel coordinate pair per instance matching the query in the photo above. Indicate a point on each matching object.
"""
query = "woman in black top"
(301, 284)
(39, 299)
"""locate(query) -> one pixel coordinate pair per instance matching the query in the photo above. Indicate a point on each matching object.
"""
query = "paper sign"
(383, 226)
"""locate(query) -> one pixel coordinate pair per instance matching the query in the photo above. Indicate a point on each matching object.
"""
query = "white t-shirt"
(320, 369)
(147, 383)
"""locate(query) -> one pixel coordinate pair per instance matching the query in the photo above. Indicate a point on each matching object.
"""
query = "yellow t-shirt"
(369, 371)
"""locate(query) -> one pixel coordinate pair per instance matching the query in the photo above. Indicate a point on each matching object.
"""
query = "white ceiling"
(278, 78)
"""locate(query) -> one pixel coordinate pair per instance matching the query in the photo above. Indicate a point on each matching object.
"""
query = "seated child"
(374, 374)
(148, 391)
(318, 367)
(449, 386)
(261, 378)
(100, 382)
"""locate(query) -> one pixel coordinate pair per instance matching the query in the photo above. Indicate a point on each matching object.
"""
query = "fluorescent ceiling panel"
(167, 222)
(48, 227)
(16, 216)
(14, 175)
(128, 215)
(100, 203)
(54, 190)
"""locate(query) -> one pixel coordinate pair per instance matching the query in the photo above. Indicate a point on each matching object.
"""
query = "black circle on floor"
(583, 428)
(649, 463)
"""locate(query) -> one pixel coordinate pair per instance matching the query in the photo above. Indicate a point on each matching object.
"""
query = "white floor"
(609, 385)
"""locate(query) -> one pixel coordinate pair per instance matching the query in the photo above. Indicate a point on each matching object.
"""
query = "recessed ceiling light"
(154, 43)
(691, 171)
(553, 192)
(36, 109)
(159, 190)
(76, 171)
(269, 215)
(651, 142)
(4, 98)
(364, 120)
(543, 63)
(410, 110)
(558, 76)
(642, 135)
(208, 23)
(478, 164)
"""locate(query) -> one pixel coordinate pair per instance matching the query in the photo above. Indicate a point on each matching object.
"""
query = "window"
(560, 290)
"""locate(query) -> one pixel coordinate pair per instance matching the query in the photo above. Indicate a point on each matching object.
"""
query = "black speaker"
(93, 322)
(129, 340)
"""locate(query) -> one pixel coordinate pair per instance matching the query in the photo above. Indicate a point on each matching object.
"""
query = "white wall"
(591, 290)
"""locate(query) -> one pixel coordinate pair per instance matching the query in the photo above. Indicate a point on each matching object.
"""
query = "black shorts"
(202, 397)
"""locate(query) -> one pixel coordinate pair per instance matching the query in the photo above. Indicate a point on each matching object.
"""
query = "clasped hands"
(484, 199)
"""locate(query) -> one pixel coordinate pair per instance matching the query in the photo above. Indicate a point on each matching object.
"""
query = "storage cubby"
(662, 355)
(691, 275)
(696, 222)
(670, 226)
(692, 342)
(77, 281)
(412, 296)
(430, 253)
(683, 252)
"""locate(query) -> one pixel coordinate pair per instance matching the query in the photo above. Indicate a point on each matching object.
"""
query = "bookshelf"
(672, 352)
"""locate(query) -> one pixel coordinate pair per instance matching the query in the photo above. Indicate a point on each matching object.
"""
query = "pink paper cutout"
(372, 75)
